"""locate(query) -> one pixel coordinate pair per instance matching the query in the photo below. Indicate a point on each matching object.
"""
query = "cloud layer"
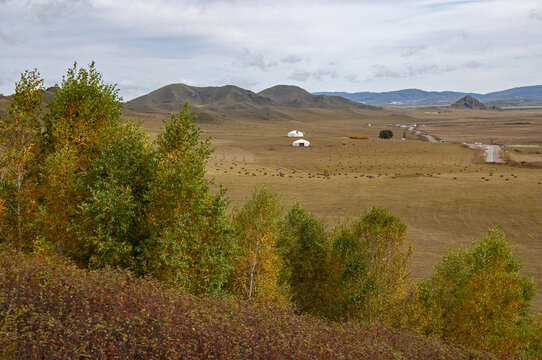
(320, 45)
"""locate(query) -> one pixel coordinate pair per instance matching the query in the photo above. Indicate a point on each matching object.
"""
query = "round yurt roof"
(301, 142)
(295, 133)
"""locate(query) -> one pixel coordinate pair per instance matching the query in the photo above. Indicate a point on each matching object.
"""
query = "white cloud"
(291, 59)
(391, 44)
(248, 59)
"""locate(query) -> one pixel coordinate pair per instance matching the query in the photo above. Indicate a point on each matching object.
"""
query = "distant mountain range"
(232, 99)
(520, 96)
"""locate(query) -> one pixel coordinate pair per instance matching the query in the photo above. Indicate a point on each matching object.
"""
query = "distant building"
(301, 142)
(295, 133)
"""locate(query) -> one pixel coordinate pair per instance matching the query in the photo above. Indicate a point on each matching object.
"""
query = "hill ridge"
(234, 99)
(523, 95)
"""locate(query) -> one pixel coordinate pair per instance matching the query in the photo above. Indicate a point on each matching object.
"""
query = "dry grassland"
(446, 193)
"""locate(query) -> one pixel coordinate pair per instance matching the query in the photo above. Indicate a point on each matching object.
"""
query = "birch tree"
(257, 226)
(19, 136)
(480, 298)
(373, 257)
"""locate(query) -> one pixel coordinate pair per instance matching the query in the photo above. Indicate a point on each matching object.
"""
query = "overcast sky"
(319, 45)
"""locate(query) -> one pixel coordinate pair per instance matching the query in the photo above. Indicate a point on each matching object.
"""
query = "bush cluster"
(385, 134)
(53, 310)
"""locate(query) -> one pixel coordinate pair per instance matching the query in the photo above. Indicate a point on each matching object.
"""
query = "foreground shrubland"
(50, 310)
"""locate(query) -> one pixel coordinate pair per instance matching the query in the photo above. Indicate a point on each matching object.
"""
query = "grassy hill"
(234, 100)
(52, 310)
(171, 98)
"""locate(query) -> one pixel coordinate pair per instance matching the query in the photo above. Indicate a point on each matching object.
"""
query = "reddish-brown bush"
(52, 310)
(358, 137)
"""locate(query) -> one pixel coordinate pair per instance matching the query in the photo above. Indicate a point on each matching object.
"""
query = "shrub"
(52, 310)
(385, 134)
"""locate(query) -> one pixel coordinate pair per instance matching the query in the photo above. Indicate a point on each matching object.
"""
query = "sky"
(340, 45)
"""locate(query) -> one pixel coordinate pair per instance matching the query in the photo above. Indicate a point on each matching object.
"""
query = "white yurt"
(301, 142)
(295, 133)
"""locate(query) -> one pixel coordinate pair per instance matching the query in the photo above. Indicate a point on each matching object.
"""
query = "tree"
(373, 257)
(20, 136)
(257, 225)
(113, 216)
(81, 110)
(307, 263)
(190, 242)
(385, 134)
(479, 297)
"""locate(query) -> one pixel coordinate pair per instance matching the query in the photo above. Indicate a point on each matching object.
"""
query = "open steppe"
(445, 192)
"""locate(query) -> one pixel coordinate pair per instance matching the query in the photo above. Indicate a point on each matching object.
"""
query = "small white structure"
(301, 142)
(295, 133)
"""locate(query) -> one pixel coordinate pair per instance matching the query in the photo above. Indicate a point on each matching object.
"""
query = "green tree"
(20, 136)
(113, 216)
(191, 242)
(307, 264)
(385, 134)
(478, 296)
(373, 257)
(82, 109)
(257, 226)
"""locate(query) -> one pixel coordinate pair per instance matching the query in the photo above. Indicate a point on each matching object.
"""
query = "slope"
(52, 310)
(234, 100)
(294, 96)
(171, 98)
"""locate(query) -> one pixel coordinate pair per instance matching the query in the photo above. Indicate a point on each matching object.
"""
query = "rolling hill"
(232, 99)
(526, 95)
(403, 98)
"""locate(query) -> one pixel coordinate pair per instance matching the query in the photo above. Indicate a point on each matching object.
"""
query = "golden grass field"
(445, 193)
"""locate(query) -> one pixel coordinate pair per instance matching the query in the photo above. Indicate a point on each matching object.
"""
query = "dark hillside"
(234, 100)
(51, 310)
(468, 102)
(293, 96)
(171, 98)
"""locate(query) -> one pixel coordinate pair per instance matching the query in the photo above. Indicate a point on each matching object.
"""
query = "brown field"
(445, 193)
